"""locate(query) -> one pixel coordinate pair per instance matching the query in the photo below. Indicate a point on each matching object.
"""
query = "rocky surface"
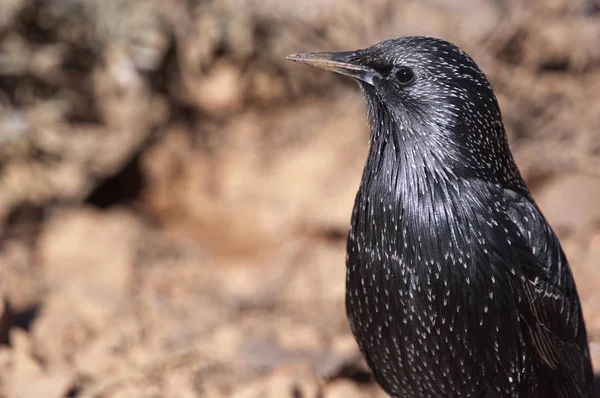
(174, 194)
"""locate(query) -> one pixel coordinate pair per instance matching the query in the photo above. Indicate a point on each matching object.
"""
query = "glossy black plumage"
(456, 284)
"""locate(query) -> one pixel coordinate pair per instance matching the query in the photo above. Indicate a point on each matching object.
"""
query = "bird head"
(429, 97)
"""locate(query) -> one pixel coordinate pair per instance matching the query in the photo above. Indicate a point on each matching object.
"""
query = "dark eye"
(404, 75)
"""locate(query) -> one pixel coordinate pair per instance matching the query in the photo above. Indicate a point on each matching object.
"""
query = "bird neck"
(422, 150)
(405, 158)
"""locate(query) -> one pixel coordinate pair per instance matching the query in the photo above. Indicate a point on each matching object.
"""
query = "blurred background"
(175, 195)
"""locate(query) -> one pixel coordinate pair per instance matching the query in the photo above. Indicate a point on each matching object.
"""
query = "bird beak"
(345, 63)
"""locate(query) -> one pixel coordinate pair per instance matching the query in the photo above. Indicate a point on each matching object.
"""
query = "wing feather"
(551, 311)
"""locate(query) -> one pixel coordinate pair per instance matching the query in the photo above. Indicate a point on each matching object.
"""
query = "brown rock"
(587, 276)
(286, 382)
(220, 91)
(87, 258)
(134, 389)
(595, 354)
(343, 389)
(45, 386)
(179, 385)
(253, 167)
(89, 248)
(19, 278)
(27, 379)
(6, 317)
(570, 201)
(101, 358)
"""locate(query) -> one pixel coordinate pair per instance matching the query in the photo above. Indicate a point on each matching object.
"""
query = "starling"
(456, 285)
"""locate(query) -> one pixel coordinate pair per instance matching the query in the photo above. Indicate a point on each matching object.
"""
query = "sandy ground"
(174, 194)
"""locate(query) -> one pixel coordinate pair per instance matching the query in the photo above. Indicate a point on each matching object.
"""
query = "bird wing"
(550, 309)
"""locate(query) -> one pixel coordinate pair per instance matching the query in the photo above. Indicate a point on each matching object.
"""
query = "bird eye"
(405, 75)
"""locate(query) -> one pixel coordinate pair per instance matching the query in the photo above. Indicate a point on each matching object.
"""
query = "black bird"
(456, 284)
